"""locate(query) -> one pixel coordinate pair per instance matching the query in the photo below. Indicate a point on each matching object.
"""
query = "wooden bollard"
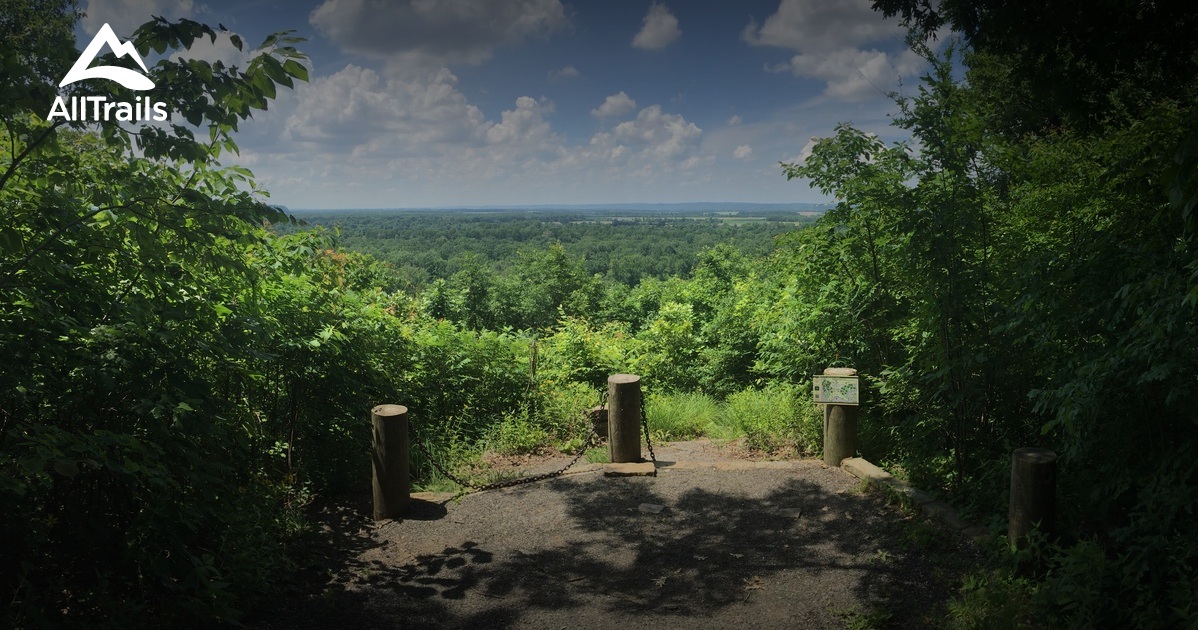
(392, 484)
(1033, 493)
(840, 426)
(624, 418)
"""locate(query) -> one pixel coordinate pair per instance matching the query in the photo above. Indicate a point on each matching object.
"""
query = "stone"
(946, 514)
(651, 508)
(629, 469)
(862, 469)
(915, 494)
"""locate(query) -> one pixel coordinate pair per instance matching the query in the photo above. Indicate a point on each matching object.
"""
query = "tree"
(123, 256)
(1067, 62)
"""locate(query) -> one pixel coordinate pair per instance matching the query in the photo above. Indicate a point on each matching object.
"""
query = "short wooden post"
(1033, 493)
(840, 426)
(392, 484)
(624, 418)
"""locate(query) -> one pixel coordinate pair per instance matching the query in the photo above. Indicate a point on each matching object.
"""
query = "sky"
(443, 103)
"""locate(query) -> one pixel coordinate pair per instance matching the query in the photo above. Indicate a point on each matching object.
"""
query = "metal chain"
(590, 441)
(508, 482)
(648, 442)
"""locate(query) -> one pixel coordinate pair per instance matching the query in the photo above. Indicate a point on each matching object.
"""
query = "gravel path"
(712, 542)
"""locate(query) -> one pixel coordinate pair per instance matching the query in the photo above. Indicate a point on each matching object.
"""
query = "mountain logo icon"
(126, 77)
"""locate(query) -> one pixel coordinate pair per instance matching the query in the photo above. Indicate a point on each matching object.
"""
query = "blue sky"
(417, 103)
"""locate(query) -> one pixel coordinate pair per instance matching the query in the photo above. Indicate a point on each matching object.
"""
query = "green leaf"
(66, 468)
(295, 69)
(10, 240)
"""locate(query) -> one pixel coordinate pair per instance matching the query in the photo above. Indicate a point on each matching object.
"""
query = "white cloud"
(822, 25)
(660, 29)
(124, 16)
(567, 72)
(743, 152)
(614, 105)
(427, 33)
(804, 153)
(734, 120)
(853, 74)
(356, 110)
(658, 133)
(525, 128)
(841, 42)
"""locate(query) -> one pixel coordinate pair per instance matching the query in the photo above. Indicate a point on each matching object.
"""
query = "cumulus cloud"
(734, 120)
(660, 29)
(822, 25)
(614, 105)
(743, 152)
(358, 116)
(356, 110)
(525, 126)
(422, 33)
(568, 72)
(804, 153)
(853, 74)
(124, 16)
(658, 133)
(841, 42)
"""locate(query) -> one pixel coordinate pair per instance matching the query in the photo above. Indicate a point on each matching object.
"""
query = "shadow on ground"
(793, 554)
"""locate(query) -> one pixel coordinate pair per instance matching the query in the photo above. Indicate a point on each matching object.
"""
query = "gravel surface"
(714, 541)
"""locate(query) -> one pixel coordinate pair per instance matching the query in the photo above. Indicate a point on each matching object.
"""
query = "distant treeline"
(623, 246)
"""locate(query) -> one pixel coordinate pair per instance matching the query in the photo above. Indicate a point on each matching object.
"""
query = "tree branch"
(16, 161)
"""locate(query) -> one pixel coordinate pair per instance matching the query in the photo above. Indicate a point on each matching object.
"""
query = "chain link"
(648, 442)
(508, 483)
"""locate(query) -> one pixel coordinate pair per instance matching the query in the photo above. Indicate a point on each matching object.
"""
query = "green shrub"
(994, 600)
(562, 408)
(517, 434)
(682, 416)
(777, 417)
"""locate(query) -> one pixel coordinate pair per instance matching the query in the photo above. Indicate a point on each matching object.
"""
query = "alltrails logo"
(99, 107)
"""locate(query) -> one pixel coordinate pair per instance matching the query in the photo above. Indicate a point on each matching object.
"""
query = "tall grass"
(775, 418)
(685, 416)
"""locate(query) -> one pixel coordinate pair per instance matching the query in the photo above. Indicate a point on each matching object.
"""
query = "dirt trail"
(714, 541)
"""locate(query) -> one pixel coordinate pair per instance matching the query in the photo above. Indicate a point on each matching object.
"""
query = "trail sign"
(835, 390)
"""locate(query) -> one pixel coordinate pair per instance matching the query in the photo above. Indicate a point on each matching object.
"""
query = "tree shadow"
(705, 552)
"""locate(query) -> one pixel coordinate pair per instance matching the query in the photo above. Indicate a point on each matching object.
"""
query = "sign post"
(838, 389)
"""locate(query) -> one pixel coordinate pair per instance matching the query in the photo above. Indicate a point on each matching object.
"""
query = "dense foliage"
(1022, 275)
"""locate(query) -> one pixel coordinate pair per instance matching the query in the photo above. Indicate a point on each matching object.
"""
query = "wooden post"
(392, 485)
(624, 418)
(1033, 493)
(840, 426)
